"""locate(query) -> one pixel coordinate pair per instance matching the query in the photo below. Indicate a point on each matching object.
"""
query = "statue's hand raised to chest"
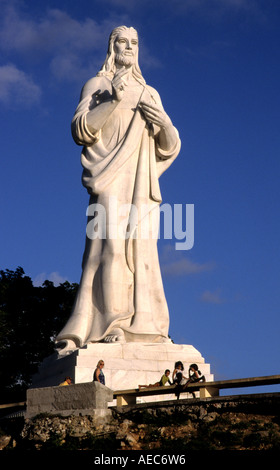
(119, 84)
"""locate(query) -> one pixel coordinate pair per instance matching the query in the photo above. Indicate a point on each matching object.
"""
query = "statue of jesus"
(128, 141)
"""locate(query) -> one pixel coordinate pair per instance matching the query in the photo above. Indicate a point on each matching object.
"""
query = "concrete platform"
(127, 365)
(81, 399)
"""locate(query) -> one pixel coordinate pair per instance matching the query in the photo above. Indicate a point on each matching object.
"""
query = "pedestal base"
(81, 399)
(127, 365)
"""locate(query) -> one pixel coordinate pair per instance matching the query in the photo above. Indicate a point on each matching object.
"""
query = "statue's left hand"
(155, 114)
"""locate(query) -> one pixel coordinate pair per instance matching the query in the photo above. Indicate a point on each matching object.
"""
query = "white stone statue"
(128, 142)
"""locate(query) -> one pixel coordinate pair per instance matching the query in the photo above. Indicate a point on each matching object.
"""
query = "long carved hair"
(109, 67)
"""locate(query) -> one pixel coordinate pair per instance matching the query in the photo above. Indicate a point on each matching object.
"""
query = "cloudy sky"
(216, 65)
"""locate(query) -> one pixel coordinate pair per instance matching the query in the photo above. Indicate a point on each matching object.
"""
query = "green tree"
(30, 319)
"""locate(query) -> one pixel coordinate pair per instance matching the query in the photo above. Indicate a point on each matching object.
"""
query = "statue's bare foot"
(166, 340)
(116, 335)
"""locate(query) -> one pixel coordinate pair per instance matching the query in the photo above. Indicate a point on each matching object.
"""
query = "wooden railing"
(206, 389)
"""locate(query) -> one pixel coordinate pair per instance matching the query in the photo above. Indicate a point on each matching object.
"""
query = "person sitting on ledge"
(67, 381)
(98, 375)
(163, 381)
(194, 376)
(177, 376)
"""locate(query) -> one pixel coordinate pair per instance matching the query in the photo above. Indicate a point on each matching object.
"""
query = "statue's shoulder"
(94, 84)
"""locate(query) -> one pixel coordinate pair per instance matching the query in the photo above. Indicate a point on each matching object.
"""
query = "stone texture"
(81, 399)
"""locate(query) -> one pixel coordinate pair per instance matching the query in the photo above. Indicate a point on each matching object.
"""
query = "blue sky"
(216, 65)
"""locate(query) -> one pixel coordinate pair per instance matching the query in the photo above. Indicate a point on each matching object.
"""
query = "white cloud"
(54, 277)
(180, 265)
(74, 49)
(54, 31)
(212, 297)
(17, 87)
(185, 267)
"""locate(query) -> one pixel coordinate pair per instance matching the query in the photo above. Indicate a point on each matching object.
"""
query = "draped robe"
(121, 284)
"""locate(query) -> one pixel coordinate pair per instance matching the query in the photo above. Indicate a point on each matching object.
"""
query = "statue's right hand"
(119, 84)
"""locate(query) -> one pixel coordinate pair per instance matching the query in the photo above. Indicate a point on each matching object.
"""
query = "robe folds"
(121, 284)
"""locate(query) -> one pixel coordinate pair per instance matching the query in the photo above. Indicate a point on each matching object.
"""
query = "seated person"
(194, 376)
(67, 381)
(163, 381)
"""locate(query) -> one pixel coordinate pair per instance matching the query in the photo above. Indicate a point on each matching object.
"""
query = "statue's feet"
(166, 340)
(115, 336)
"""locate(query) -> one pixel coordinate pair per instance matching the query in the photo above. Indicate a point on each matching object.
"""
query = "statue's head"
(115, 55)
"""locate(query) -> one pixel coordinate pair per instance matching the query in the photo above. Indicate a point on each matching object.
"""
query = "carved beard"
(123, 59)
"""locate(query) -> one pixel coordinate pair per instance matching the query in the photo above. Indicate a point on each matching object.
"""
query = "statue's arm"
(167, 137)
(99, 98)
(102, 104)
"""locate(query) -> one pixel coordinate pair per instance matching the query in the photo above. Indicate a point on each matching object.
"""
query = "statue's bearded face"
(126, 47)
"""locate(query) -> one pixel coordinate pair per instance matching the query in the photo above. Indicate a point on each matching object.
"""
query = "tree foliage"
(30, 319)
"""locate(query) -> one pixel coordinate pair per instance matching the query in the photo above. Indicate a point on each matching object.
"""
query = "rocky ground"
(232, 423)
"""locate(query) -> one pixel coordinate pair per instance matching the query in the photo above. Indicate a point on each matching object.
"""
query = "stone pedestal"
(80, 399)
(127, 365)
